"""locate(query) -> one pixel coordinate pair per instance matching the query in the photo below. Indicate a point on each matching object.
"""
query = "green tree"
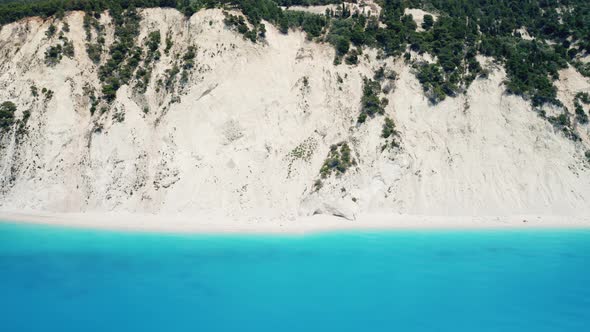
(428, 22)
(342, 46)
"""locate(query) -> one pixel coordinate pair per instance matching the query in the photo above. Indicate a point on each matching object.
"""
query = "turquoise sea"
(56, 279)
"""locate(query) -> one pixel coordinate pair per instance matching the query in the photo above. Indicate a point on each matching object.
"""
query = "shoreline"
(183, 224)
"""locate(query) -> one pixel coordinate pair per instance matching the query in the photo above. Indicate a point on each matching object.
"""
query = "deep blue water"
(55, 279)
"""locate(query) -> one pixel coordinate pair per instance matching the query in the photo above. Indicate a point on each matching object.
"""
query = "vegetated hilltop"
(249, 109)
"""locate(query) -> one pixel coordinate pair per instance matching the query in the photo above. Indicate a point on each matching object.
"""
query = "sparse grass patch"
(304, 151)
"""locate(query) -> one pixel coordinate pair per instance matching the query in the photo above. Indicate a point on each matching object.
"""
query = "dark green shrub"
(51, 31)
(342, 46)
(53, 55)
(428, 22)
(169, 43)
(7, 110)
(94, 52)
(388, 128)
(153, 41)
(389, 134)
(68, 49)
(339, 160)
(352, 58)
(434, 83)
(371, 105)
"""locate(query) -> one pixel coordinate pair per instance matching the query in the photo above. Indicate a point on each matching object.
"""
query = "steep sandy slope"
(247, 135)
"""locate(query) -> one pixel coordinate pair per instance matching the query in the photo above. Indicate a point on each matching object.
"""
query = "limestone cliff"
(245, 130)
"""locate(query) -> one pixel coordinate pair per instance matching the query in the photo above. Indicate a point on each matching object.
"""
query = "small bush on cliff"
(53, 55)
(434, 83)
(238, 23)
(338, 161)
(7, 110)
(51, 31)
(153, 41)
(370, 103)
(68, 49)
(581, 97)
(581, 116)
(352, 58)
(169, 43)
(388, 128)
(389, 134)
(94, 52)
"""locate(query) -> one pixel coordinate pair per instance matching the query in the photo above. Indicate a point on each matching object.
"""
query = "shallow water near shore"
(59, 279)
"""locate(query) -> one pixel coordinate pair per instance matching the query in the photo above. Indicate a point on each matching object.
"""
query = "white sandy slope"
(366, 7)
(418, 16)
(220, 152)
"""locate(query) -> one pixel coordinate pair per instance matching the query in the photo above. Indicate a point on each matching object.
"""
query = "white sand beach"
(303, 225)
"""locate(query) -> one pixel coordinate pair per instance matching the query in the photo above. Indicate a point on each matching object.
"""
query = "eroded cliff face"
(244, 133)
